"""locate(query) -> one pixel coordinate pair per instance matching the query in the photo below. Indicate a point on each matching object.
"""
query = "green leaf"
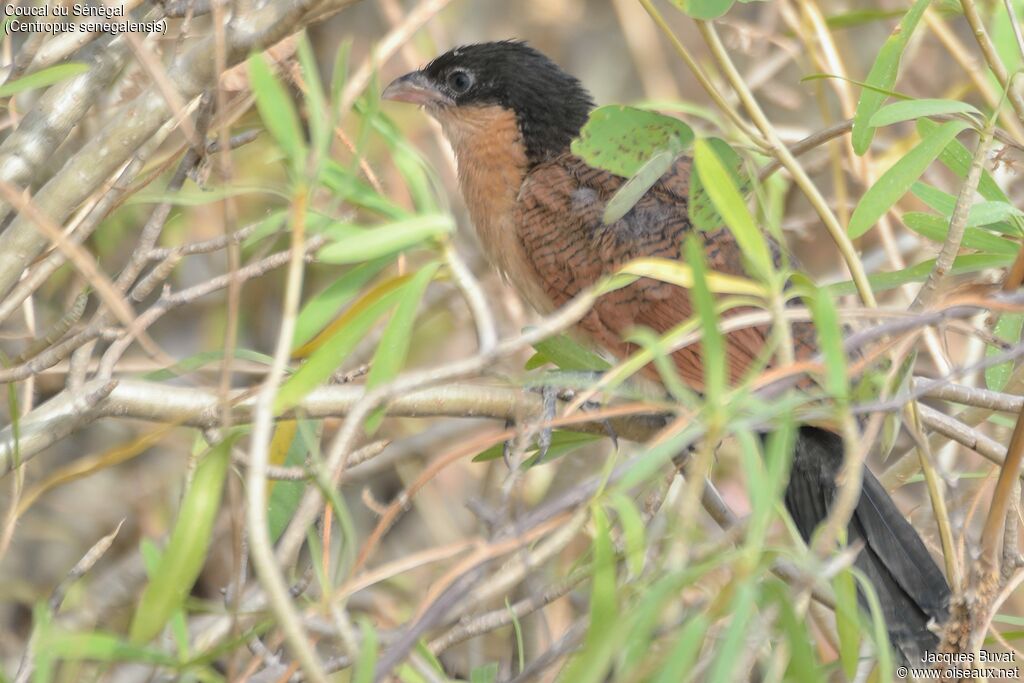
(847, 621)
(803, 664)
(683, 656)
(286, 495)
(324, 307)
(678, 273)
(367, 660)
(860, 17)
(398, 334)
(185, 554)
(957, 158)
(936, 228)
(562, 443)
(704, 9)
(712, 344)
(726, 197)
(830, 341)
(202, 359)
(1008, 328)
(488, 673)
(915, 109)
(883, 74)
(632, 532)
(702, 209)
(636, 187)
(98, 646)
(317, 107)
(43, 78)
(963, 264)
(741, 613)
(339, 75)
(566, 353)
(879, 631)
(592, 663)
(899, 178)
(333, 350)
(385, 240)
(276, 110)
(622, 139)
(353, 190)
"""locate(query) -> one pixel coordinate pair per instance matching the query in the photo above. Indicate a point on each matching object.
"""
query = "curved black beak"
(415, 88)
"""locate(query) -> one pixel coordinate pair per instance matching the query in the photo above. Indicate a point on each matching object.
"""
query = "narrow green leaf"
(741, 612)
(343, 183)
(97, 646)
(285, 496)
(367, 660)
(185, 554)
(592, 663)
(963, 264)
(562, 443)
(702, 209)
(712, 344)
(883, 74)
(1008, 328)
(622, 139)
(632, 532)
(847, 621)
(339, 75)
(324, 307)
(803, 664)
(276, 110)
(957, 158)
(43, 78)
(879, 631)
(316, 102)
(332, 351)
(936, 228)
(726, 197)
(488, 673)
(568, 354)
(899, 178)
(386, 239)
(830, 340)
(704, 9)
(683, 656)
(914, 109)
(636, 187)
(398, 334)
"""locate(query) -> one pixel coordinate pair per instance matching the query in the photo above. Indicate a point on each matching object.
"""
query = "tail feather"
(911, 588)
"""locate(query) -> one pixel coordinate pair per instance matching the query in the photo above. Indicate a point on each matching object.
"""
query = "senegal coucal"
(510, 114)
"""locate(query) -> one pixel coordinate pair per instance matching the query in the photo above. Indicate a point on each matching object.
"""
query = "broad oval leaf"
(622, 139)
(898, 179)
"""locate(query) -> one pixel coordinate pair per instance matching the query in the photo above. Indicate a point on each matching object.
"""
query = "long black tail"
(910, 587)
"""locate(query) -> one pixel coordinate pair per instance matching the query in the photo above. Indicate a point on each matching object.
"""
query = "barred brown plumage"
(510, 114)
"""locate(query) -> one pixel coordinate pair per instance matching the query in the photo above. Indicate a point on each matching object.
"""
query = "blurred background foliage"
(435, 561)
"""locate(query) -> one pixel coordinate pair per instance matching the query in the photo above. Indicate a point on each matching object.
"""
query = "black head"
(550, 105)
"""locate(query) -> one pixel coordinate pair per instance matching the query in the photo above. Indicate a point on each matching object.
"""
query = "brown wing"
(560, 224)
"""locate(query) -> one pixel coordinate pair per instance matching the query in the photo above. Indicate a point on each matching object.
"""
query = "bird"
(510, 115)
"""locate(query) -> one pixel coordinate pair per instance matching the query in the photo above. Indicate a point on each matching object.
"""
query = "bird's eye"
(460, 81)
